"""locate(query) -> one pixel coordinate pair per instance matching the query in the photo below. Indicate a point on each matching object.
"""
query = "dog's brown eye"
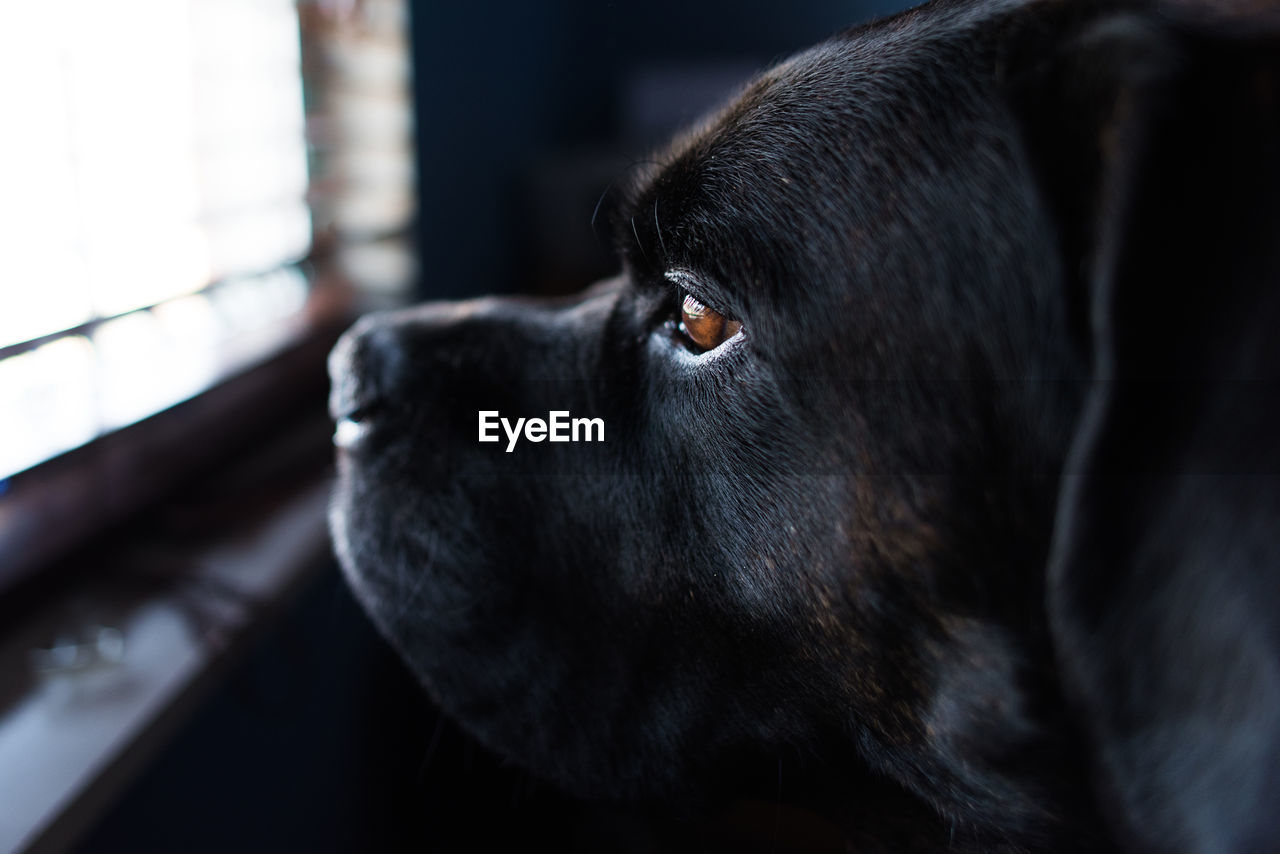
(704, 326)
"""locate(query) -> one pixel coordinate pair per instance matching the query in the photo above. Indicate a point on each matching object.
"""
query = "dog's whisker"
(637, 236)
(609, 188)
(658, 228)
(595, 213)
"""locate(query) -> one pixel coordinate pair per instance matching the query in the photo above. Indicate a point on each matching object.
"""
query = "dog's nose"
(362, 367)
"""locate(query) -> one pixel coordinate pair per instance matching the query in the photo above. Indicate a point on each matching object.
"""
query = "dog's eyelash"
(695, 325)
(686, 284)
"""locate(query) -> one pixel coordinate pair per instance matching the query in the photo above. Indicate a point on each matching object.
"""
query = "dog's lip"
(351, 433)
(352, 428)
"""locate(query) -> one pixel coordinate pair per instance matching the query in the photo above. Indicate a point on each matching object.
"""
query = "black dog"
(937, 455)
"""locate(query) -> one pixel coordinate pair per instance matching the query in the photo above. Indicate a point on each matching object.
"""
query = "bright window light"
(151, 148)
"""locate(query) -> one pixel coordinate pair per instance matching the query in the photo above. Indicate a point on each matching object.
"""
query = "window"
(153, 206)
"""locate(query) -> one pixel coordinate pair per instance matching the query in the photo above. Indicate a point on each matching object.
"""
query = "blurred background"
(196, 197)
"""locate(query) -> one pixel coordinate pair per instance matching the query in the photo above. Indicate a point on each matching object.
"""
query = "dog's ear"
(1155, 136)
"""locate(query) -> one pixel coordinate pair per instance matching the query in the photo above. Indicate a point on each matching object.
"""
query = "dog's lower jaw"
(673, 736)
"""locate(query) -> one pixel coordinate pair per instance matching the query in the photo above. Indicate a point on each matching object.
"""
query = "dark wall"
(511, 94)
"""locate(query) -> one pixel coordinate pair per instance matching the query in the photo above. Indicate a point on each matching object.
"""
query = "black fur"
(972, 530)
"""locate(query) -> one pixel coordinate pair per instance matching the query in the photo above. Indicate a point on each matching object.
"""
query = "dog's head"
(825, 414)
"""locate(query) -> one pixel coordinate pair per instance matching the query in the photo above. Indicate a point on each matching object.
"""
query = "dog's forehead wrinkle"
(763, 162)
